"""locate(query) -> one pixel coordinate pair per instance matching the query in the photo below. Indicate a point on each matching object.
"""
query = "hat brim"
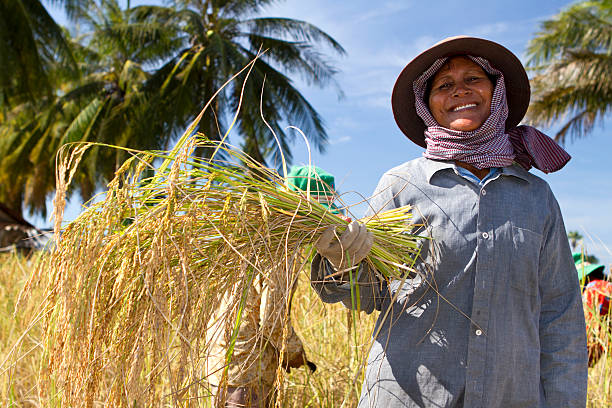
(586, 270)
(518, 90)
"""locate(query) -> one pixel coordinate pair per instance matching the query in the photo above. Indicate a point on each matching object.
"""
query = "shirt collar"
(434, 166)
(516, 171)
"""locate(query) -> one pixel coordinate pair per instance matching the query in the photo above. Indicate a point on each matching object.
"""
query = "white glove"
(352, 247)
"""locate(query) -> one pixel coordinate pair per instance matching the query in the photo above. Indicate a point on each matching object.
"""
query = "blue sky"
(380, 38)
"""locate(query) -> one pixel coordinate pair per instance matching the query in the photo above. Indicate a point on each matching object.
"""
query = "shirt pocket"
(525, 260)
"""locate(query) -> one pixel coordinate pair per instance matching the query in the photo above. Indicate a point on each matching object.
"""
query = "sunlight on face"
(460, 97)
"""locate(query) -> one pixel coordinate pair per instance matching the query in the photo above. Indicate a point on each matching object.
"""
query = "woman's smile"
(462, 107)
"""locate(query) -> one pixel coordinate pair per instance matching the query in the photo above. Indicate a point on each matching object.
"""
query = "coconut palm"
(572, 60)
(32, 48)
(137, 90)
(105, 104)
(36, 57)
(574, 238)
(220, 38)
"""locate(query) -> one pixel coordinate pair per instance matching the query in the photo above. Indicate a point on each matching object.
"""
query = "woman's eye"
(445, 85)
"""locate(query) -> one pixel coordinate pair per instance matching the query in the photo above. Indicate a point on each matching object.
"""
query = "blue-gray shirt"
(493, 318)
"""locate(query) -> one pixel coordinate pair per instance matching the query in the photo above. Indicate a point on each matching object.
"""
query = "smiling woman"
(492, 316)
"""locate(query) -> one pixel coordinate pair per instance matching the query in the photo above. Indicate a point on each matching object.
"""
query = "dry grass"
(131, 291)
(600, 375)
(335, 342)
(21, 351)
(325, 329)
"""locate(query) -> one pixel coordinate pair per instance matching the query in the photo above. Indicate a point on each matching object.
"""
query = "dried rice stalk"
(135, 281)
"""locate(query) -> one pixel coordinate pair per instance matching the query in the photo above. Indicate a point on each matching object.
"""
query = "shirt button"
(483, 192)
(478, 332)
(485, 235)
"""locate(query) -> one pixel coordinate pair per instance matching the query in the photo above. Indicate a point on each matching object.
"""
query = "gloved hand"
(352, 247)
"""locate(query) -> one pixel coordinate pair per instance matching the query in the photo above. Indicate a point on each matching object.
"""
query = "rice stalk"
(135, 281)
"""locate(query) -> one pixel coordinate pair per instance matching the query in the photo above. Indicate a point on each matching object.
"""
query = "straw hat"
(517, 83)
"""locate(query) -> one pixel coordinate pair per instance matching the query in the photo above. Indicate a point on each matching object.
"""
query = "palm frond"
(81, 127)
(585, 25)
(287, 28)
(572, 61)
(302, 59)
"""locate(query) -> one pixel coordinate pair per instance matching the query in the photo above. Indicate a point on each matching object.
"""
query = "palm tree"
(137, 90)
(220, 38)
(105, 104)
(36, 57)
(574, 238)
(572, 60)
(32, 48)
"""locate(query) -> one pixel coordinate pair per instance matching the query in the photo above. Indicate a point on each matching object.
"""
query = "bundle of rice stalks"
(135, 282)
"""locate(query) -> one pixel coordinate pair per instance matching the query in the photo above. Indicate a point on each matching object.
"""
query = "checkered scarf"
(489, 145)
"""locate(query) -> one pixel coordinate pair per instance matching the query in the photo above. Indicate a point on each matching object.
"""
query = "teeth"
(469, 105)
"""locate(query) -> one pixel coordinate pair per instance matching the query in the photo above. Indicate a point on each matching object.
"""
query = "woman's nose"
(461, 90)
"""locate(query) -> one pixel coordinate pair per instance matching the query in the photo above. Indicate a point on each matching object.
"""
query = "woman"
(493, 315)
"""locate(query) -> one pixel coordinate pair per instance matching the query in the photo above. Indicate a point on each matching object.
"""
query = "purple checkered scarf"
(489, 145)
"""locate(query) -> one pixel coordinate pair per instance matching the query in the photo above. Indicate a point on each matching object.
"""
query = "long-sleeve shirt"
(493, 317)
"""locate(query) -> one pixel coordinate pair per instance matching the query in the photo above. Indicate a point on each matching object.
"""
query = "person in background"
(491, 316)
(596, 294)
(317, 182)
(255, 359)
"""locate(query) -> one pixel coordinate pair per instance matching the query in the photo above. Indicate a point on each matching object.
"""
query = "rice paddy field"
(333, 340)
(336, 340)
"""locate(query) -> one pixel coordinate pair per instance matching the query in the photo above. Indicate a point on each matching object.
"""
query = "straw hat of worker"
(515, 79)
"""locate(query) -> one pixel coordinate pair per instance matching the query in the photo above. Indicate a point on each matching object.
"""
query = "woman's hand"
(350, 249)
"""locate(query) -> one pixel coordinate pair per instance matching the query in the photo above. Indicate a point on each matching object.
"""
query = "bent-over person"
(265, 340)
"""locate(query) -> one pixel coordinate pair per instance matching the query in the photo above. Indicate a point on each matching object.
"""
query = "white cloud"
(383, 10)
(340, 140)
(345, 122)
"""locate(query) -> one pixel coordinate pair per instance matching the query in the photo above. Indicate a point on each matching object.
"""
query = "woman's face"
(460, 97)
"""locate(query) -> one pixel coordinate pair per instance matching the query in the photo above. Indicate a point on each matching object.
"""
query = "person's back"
(265, 340)
(252, 365)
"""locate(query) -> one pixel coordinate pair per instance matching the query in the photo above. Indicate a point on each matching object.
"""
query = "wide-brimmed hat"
(585, 269)
(516, 81)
